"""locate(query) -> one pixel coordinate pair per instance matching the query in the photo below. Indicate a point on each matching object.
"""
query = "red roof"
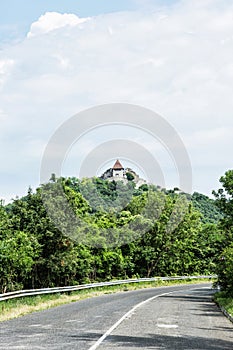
(117, 165)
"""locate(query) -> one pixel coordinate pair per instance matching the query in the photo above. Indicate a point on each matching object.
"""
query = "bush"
(129, 176)
(225, 270)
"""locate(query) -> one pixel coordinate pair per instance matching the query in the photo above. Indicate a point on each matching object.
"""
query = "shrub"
(225, 270)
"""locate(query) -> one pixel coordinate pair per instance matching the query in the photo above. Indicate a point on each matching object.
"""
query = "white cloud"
(5, 68)
(5, 65)
(53, 20)
(2, 116)
(176, 60)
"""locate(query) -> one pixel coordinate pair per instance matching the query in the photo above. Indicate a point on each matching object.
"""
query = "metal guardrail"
(32, 292)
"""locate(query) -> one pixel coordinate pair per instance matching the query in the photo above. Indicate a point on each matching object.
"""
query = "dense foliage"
(207, 207)
(100, 230)
(224, 199)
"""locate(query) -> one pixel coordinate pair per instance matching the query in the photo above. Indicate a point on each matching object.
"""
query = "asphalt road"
(178, 317)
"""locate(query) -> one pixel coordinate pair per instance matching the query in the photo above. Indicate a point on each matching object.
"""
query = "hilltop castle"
(119, 173)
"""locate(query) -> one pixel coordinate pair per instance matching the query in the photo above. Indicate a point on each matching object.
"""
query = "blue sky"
(173, 57)
(28, 10)
(25, 12)
(16, 16)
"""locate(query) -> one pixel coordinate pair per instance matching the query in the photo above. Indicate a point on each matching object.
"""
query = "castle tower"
(118, 170)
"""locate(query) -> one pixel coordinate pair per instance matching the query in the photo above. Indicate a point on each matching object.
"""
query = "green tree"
(224, 270)
(129, 176)
(207, 207)
(224, 199)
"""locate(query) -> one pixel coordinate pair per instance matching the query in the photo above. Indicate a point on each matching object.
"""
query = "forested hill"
(207, 207)
(71, 231)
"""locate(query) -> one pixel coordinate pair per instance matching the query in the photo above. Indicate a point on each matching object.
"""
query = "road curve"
(178, 317)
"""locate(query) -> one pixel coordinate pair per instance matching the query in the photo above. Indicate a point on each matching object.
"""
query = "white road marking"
(32, 335)
(167, 325)
(129, 313)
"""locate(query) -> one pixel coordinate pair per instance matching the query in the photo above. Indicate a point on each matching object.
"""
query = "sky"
(58, 58)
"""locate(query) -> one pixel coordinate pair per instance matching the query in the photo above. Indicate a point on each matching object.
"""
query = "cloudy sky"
(58, 58)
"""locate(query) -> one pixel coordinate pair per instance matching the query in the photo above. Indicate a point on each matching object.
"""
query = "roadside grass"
(224, 300)
(14, 308)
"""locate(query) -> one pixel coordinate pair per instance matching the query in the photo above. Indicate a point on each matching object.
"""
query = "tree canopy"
(70, 231)
(224, 200)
